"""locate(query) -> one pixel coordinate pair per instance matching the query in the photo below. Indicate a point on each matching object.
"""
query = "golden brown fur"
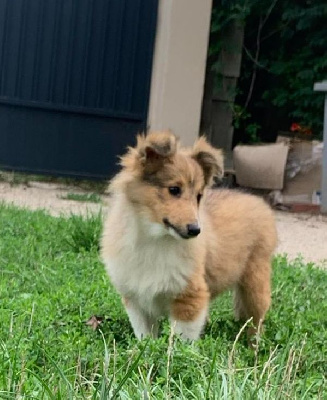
(151, 244)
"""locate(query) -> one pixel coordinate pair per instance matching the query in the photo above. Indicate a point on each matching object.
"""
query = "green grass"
(52, 282)
(85, 197)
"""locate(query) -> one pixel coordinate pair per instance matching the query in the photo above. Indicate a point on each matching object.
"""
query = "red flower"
(295, 127)
(305, 130)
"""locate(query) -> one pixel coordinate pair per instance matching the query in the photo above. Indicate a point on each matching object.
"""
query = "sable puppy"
(170, 243)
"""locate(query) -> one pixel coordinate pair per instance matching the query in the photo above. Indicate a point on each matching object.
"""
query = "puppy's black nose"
(193, 229)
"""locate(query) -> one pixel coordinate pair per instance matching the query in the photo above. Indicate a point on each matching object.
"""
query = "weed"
(86, 197)
(16, 178)
(85, 231)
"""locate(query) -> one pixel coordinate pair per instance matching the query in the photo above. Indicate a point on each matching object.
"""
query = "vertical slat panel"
(141, 85)
(130, 91)
(95, 62)
(38, 50)
(116, 56)
(82, 9)
(112, 45)
(71, 38)
(46, 50)
(29, 48)
(3, 40)
(63, 50)
(102, 51)
(11, 48)
(127, 54)
(86, 52)
(54, 51)
(22, 29)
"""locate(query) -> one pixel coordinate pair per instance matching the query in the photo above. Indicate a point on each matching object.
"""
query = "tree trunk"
(220, 88)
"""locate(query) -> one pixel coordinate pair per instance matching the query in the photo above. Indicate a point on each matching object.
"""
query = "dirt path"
(48, 196)
(298, 233)
(303, 234)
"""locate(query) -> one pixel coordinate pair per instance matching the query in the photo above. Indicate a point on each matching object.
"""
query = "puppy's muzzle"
(191, 231)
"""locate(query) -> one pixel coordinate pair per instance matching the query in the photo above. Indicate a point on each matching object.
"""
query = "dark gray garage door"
(74, 82)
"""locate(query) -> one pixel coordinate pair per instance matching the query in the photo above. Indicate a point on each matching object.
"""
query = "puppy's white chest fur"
(146, 262)
(150, 269)
(148, 265)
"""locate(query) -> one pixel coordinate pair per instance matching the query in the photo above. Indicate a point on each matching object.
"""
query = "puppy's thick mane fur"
(171, 243)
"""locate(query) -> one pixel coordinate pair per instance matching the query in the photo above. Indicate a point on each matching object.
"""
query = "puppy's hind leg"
(253, 293)
(143, 325)
(239, 308)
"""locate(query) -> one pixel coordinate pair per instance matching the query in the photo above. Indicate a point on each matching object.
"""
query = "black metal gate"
(74, 82)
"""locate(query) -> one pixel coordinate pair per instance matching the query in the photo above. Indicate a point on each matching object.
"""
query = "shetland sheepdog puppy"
(171, 243)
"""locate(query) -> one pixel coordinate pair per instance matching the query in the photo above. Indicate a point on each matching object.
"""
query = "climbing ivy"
(285, 50)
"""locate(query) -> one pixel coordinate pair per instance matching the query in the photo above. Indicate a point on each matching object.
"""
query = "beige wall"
(179, 67)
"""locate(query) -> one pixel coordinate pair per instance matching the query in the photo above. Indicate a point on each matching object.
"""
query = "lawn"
(52, 282)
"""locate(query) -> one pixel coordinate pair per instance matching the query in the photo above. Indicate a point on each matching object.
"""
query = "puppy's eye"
(175, 191)
(199, 197)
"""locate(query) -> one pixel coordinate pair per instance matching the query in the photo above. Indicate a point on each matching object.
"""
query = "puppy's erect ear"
(156, 148)
(210, 159)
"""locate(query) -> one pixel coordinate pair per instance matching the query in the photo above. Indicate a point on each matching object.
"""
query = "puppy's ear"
(210, 159)
(156, 148)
